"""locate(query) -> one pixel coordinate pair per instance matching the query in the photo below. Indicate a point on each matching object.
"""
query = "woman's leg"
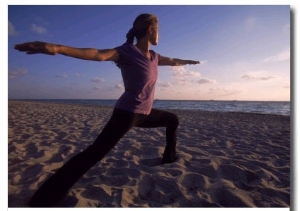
(159, 118)
(58, 184)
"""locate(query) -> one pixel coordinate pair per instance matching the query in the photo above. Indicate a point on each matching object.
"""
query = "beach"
(225, 159)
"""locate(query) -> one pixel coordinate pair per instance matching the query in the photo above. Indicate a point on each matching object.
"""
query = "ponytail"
(130, 36)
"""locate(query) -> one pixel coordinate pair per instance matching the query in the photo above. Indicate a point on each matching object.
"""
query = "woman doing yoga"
(139, 67)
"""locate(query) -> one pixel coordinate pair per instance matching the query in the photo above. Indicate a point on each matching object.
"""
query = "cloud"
(166, 87)
(78, 75)
(164, 84)
(61, 76)
(11, 29)
(248, 76)
(97, 88)
(119, 86)
(281, 56)
(223, 91)
(258, 77)
(183, 76)
(206, 81)
(17, 73)
(266, 78)
(40, 21)
(38, 29)
(167, 84)
(97, 80)
(181, 72)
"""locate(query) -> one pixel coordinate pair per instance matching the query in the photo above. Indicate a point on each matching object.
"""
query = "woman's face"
(154, 35)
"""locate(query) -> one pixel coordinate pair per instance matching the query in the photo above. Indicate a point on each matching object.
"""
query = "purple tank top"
(139, 75)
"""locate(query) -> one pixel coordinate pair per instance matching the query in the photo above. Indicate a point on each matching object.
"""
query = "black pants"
(57, 186)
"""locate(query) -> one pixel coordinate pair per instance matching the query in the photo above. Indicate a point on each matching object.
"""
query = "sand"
(225, 159)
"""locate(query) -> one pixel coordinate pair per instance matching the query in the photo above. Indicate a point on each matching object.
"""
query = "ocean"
(261, 107)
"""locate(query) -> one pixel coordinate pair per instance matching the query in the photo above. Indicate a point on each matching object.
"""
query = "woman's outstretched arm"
(175, 62)
(79, 53)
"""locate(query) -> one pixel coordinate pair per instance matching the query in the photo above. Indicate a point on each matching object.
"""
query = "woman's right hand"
(79, 53)
(37, 47)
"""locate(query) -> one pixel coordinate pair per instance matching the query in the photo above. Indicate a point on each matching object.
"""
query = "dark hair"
(140, 26)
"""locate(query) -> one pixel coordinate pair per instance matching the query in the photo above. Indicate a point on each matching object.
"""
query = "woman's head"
(141, 26)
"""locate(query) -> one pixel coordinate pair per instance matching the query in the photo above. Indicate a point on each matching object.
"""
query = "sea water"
(261, 107)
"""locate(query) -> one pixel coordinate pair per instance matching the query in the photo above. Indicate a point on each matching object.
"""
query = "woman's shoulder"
(155, 54)
(125, 48)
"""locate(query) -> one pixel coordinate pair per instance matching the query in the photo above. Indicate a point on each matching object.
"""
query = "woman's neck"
(143, 45)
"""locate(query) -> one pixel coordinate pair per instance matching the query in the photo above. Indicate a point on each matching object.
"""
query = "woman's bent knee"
(174, 120)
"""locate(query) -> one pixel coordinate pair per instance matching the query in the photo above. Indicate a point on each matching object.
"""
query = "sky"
(244, 51)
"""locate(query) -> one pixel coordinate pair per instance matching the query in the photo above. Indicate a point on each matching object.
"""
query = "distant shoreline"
(258, 107)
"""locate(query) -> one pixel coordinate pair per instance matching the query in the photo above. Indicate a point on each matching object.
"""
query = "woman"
(138, 66)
